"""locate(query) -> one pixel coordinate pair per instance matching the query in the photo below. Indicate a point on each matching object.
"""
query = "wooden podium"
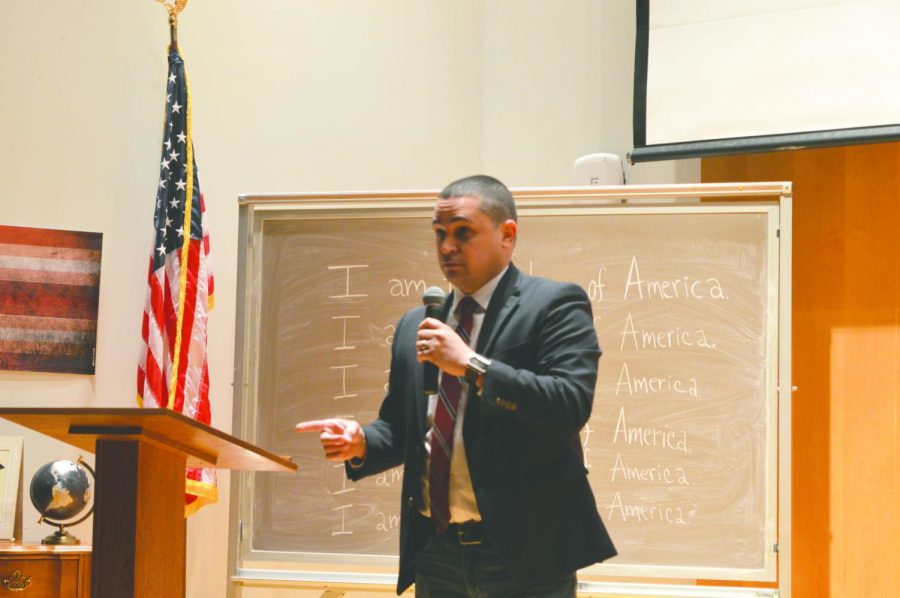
(141, 455)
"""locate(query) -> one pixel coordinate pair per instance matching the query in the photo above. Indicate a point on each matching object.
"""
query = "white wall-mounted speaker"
(598, 169)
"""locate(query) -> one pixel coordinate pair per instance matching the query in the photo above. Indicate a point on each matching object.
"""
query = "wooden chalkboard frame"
(373, 571)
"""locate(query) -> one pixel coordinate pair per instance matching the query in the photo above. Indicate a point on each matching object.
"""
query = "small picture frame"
(10, 480)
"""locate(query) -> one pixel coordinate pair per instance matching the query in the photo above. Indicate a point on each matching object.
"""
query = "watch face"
(476, 368)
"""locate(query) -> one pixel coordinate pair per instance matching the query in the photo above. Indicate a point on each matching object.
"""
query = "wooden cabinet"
(35, 571)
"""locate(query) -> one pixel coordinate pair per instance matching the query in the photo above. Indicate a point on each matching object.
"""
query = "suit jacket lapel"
(503, 303)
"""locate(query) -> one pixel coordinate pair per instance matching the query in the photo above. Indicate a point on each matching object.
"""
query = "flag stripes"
(172, 369)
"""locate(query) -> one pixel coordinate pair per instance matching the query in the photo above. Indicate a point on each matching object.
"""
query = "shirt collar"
(482, 296)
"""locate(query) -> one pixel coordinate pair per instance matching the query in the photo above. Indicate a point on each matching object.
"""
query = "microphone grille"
(434, 297)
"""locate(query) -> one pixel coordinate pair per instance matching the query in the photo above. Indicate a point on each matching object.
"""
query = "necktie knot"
(465, 314)
(467, 306)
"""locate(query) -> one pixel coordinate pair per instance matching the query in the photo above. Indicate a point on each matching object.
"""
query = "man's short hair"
(496, 199)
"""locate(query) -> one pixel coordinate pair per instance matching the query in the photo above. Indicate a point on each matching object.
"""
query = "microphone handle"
(430, 386)
(430, 371)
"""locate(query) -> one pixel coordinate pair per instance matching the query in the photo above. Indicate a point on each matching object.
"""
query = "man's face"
(471, 249)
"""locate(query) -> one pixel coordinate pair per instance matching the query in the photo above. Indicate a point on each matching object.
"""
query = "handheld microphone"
(433, 298)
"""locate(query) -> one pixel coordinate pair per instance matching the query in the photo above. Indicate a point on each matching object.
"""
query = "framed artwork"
(49, 294)
(10, 474)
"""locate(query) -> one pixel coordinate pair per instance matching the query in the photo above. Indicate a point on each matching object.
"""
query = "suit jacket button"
(410, 502)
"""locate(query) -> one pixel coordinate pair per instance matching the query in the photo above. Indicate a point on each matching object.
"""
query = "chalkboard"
(682, 443)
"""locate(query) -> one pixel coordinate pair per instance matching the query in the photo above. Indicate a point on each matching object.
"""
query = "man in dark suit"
(495, 499)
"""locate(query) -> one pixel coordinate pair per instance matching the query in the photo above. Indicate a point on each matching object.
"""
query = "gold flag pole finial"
(173, 7)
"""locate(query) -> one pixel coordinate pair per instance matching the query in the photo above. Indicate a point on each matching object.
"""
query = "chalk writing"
(674, 288)
(595, 287)
(389, 478)
(639, 339)
(344, 394)
(649, 436)
(344, 346)
(343, 531)
(346, 487)
(654, 473)
(343, 369)
(645, 385)
(387, 523)
(585, 444)
(347, 269)
(641, 512)
(402, 287)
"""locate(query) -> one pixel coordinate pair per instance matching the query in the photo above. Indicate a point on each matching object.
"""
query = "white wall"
(289, 95)
(558, 83)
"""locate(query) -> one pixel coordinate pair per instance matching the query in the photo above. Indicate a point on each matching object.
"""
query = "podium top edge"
(203, 445)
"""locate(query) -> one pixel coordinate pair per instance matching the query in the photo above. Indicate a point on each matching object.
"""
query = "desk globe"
(60, 491)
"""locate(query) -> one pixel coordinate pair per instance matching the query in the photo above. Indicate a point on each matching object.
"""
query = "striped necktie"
(444, 422)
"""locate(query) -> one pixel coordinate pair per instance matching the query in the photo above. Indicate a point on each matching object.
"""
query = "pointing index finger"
(315, 425)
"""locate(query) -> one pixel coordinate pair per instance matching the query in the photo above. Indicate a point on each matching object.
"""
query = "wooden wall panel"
(846, 362)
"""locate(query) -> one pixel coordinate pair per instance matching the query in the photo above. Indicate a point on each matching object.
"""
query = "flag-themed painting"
(49, 294)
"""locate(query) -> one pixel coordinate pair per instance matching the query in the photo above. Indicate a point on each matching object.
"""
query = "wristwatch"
(476, 368)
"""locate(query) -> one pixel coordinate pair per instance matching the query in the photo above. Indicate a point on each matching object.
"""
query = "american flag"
(173, 371)
(49, 291)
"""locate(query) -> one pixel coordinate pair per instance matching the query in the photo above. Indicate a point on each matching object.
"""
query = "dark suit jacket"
(520, 432)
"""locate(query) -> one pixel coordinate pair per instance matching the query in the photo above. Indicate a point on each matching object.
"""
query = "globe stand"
(61, 537)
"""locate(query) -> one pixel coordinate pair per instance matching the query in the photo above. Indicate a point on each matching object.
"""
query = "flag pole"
(173, 371)
(173, 32)
(173, 7)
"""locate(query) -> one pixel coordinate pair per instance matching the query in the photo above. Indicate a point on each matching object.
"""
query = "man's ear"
(509, 230)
